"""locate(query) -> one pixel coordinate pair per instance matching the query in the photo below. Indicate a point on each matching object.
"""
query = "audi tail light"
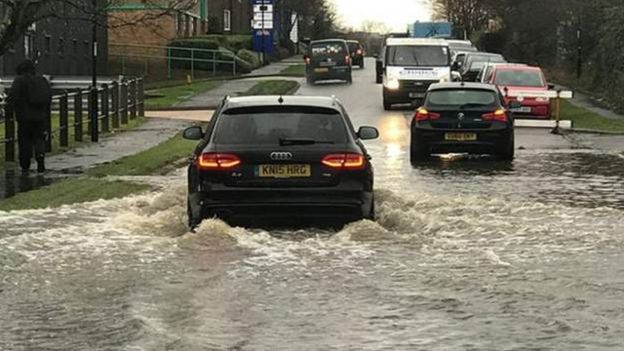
(498, 115)
(346, 161)
(422, 114)
(217, 162)
(359, 51)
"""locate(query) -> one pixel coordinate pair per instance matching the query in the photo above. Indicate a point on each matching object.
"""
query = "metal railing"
(196, 59)
(114, 105)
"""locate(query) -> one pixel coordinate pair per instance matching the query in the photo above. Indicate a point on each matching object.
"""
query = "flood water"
(465, 255)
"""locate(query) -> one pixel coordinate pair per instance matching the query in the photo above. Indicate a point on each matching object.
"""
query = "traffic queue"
(297, 159)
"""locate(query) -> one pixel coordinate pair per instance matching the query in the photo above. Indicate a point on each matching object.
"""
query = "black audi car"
(462, 117)
(271, 160)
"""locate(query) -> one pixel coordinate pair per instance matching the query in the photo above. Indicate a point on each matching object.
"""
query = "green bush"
(250, 57)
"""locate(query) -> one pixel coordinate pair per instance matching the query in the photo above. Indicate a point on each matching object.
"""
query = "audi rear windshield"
(273, 125)
(462, 99)
(415, 56)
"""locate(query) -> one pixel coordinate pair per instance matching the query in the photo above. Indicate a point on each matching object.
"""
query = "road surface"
(465, 255)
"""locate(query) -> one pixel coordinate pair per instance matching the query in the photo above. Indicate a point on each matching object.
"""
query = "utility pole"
(579, 41)
(93, 111)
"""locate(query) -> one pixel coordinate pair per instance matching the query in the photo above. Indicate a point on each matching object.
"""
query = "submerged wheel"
(509, 151)
(372, 214)
(418, 151)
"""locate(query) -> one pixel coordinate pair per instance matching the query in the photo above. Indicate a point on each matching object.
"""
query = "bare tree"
(17, 16)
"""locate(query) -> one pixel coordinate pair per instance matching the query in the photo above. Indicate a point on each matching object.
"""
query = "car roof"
(287, 100)
(481, 53)
(457, 41)
(353, 41)
(415, 42)
(327, 41)
(518, 66)
(463, 85)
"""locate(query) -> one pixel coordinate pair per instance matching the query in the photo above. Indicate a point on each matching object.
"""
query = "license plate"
(321, 70)
(523, 109)
(460, 136)
(416, 95)
(284, 171)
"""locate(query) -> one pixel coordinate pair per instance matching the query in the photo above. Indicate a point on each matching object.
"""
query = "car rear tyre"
(509, 149)
(349, 79)
(372, 214)
(193, 220)
(387, 105)
(379, 79)
(418, 151)
(310, 81)
(362, 65)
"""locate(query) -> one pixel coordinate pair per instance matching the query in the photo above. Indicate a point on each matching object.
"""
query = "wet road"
(465, 255)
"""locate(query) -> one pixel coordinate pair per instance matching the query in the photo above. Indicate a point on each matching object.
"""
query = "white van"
(410, 66)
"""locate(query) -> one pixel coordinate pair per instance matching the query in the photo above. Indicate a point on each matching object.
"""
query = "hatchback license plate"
(284, 171)
(523, 109)
(321, 70)
(460, 136)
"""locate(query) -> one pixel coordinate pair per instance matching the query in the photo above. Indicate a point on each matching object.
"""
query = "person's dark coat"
(22, 90)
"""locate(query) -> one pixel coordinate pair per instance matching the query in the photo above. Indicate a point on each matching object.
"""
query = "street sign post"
(263, 25)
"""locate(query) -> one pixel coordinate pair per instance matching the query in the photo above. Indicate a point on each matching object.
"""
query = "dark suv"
(328, 60)
(357, 53)
(271, 160)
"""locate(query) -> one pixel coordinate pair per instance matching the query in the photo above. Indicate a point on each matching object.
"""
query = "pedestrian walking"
(30, 98)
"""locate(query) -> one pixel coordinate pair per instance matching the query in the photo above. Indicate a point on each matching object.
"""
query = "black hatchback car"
(271, 160)
(462, 117)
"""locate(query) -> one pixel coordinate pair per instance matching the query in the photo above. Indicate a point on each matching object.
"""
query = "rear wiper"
(465, 106)
(287, 141)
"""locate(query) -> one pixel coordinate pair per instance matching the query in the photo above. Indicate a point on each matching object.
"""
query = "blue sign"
(431, 30)
(263, 29)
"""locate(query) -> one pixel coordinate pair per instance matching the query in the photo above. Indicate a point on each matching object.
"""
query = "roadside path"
(212, 98)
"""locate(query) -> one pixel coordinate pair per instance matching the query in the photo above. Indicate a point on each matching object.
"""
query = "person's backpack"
(39, 92)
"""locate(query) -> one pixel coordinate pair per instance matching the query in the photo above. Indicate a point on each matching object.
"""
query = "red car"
(510, 78)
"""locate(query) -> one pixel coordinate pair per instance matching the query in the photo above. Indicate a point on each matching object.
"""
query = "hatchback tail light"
(349, 161)
(422, 114)
(347, 59)
(359, 51)
(217, 162)
(498, 115)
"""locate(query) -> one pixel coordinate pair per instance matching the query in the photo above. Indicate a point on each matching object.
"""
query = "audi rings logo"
(281, 156)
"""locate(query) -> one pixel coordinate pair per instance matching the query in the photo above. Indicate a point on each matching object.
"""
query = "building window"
(61, 47)
(47, 46)
(227, 20)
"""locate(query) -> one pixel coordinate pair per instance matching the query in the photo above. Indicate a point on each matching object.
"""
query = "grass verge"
(294, 70)
(154, 160)
(171, 96)
(71, 191)
(585, 119)
(273, 87)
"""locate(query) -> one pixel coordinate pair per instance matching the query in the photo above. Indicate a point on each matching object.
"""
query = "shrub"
(250, 57)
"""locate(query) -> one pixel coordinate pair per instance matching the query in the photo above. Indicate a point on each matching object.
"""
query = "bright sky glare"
(396, 14)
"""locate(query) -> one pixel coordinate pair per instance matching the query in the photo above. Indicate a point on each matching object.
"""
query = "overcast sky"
(395, 13)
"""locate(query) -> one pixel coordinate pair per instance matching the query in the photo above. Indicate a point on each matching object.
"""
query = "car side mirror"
(368, 133)
(551, 86)
(515, 105)
(193, 133)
